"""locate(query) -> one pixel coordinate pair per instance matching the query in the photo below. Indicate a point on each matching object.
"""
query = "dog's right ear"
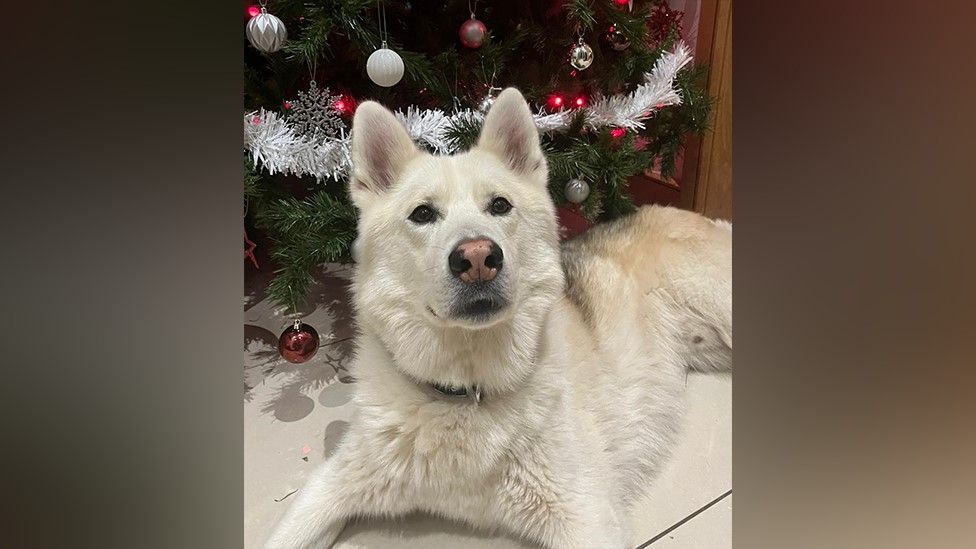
(381, 148)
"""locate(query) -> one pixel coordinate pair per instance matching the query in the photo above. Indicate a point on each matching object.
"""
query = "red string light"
(253, 11)
(345, 104)
(556, 101)
(580, 102)
(617, 133)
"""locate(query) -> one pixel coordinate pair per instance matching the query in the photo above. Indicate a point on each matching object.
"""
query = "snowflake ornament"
(314, 113)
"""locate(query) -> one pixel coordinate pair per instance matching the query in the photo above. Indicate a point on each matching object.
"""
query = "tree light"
(580, 101)
(345, 104)
(555, 101)
(253, 11)
(618, 132)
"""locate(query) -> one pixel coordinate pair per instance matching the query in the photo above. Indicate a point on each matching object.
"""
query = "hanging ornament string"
(311, 62)
(381, 23)
(489, 98)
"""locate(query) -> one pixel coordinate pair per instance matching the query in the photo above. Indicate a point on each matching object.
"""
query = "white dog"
(500, 380)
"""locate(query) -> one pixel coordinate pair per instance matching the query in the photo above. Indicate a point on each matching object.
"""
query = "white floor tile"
(712, 529)
(701, 468)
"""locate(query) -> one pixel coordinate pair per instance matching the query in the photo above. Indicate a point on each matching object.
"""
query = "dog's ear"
(381, 148)
(509, 132)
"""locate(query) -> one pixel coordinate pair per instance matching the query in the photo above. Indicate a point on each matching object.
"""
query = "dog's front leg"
(588, 524)
(319, 512)
(560, 516)
(342, 487)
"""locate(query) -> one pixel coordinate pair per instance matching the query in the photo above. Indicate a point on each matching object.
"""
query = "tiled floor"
(295, 414)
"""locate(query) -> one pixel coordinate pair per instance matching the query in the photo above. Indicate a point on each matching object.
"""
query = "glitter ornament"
(662, 22)
(581, 55)
(298, 343)
(314, 112)
(472, 33)
(576, 190)
(266, 32)
(384, 67)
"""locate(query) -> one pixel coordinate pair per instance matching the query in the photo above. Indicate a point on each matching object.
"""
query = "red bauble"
(472, 33)
(298, 343)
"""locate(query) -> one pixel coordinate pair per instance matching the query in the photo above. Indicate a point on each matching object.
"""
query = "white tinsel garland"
(274, 144)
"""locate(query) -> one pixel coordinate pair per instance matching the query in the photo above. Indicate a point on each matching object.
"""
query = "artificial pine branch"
(581, 13)
(305, 233)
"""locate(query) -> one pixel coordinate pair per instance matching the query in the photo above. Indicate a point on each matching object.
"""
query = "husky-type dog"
(502, 380)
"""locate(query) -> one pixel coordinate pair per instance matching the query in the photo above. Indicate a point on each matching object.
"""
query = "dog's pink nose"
(477, 260)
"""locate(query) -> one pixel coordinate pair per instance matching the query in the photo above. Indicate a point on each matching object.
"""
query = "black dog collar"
(458, 391)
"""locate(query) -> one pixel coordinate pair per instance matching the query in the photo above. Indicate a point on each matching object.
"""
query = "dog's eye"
(423, 214)
(500, 206)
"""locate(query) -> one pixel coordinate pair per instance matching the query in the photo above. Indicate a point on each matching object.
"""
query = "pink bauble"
(472, 33)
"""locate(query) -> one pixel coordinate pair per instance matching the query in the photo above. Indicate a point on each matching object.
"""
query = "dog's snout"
(476, 260)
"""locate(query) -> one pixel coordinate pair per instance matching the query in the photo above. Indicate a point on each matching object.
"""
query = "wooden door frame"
(704, 49)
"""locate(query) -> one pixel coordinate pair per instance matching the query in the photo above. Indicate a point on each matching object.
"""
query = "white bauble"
(576, 190)
(266, 32)
(384, 67)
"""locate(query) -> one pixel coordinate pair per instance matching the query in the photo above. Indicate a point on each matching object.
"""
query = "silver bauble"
(576, 190)
(581, 55)
(384, 67)
(266, 32)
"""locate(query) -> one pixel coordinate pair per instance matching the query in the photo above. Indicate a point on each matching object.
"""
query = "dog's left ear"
(509, 132)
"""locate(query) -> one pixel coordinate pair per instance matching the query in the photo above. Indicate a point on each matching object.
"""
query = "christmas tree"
(613, 85)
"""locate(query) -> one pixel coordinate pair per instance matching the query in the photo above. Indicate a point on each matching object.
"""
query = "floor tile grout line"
(684, 520)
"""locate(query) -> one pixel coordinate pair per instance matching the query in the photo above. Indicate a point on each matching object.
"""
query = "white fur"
(581, 403)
